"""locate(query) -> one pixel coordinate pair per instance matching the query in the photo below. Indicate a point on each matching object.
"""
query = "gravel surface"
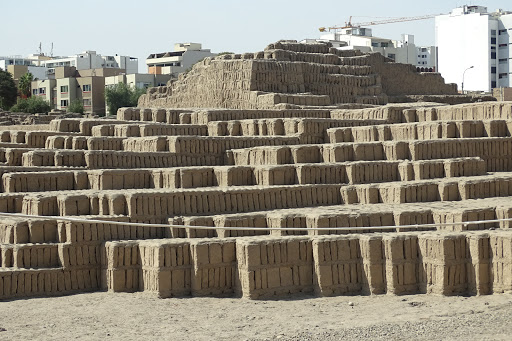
(123, 316)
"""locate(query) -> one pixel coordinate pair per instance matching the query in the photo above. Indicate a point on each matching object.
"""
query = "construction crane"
(349, 24)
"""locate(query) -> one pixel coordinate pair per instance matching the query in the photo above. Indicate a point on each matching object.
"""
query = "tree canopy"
(122, 95)
(32, 105)
(25, 84)
(76, 106)
(8, 91)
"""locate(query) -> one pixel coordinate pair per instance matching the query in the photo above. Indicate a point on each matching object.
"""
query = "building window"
(42, 91)
(34, 91)
(87, 102)
(503, 75)
(493, 55)
(501, 46)
(502, 32)
(64, 89)
(493, 84)
(423, 49)
(87, 88)
(503, 60)
(493, 40)
(64, 103)
(391, 56)
(493, 69)
(384, 44)
(493, 33)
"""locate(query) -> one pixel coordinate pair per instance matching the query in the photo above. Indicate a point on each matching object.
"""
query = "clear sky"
(140, 27)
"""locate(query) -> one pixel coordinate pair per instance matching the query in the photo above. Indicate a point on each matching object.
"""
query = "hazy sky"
(138, 28)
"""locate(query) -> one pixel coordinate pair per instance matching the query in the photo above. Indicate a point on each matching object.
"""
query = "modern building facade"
(173, 63)
(138, 80)
(89, 60)
(475, 48)
(401, 51)
(70, 84)
(38, 72)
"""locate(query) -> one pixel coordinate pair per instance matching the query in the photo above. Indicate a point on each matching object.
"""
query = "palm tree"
(25, 84)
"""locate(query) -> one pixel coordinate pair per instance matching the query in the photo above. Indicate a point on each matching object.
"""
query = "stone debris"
(297, 136)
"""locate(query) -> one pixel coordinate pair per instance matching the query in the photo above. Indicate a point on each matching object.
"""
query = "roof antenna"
(40, 48)
(51, 51)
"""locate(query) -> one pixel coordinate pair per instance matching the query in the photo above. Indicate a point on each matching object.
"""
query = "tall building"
(401, 51)
(475, 47)
(175, 62)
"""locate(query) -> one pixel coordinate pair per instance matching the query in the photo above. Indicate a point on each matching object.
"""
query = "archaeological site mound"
(299, 169)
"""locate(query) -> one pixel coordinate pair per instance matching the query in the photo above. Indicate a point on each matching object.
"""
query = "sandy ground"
(122, 316)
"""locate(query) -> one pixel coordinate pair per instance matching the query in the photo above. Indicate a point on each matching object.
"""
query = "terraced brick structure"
(261, 176)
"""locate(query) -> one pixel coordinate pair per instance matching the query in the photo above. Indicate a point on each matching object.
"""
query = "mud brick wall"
(166, 267)
(444, 259)
(121, 266)
(480, 274)
(504, 211)
(347, 220)
(43, 282)
(30, 256)
(501, 252)
(122, 179)
(215, 271)
(240, 200)
(274, 267)
(465, 214)
(340, 267)
(257, 221)
(44, 181)
(19, 231)
(208, 115)
(389, 113)
(11, 203)
(476, 111)
(118, 159)
(219, 145)
(191, 232)
(289, 220)
(402, 263)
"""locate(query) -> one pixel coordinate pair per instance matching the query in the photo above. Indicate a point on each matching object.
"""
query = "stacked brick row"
(407, 263)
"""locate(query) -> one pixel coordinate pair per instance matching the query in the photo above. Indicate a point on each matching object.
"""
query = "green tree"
(121, 95)
(8, 91)
(76, 106)
(25, 84)
(32, 105)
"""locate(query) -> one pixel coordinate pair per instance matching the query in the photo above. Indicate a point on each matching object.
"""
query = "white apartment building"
(401, 51)
(175, 62)
(89, 60)
(475, 46)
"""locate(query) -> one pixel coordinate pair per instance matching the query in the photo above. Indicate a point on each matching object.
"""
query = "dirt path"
(99, 316)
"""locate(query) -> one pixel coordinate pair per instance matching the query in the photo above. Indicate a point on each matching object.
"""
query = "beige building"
(502, 94)
(175, 62)
(138, 80)
(46, 89)
(87, 86)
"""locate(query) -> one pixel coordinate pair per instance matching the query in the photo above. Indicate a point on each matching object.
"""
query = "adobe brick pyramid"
(376, 199)
(289, 74)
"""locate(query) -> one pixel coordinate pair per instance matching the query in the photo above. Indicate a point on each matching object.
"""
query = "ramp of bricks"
(358, 166)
